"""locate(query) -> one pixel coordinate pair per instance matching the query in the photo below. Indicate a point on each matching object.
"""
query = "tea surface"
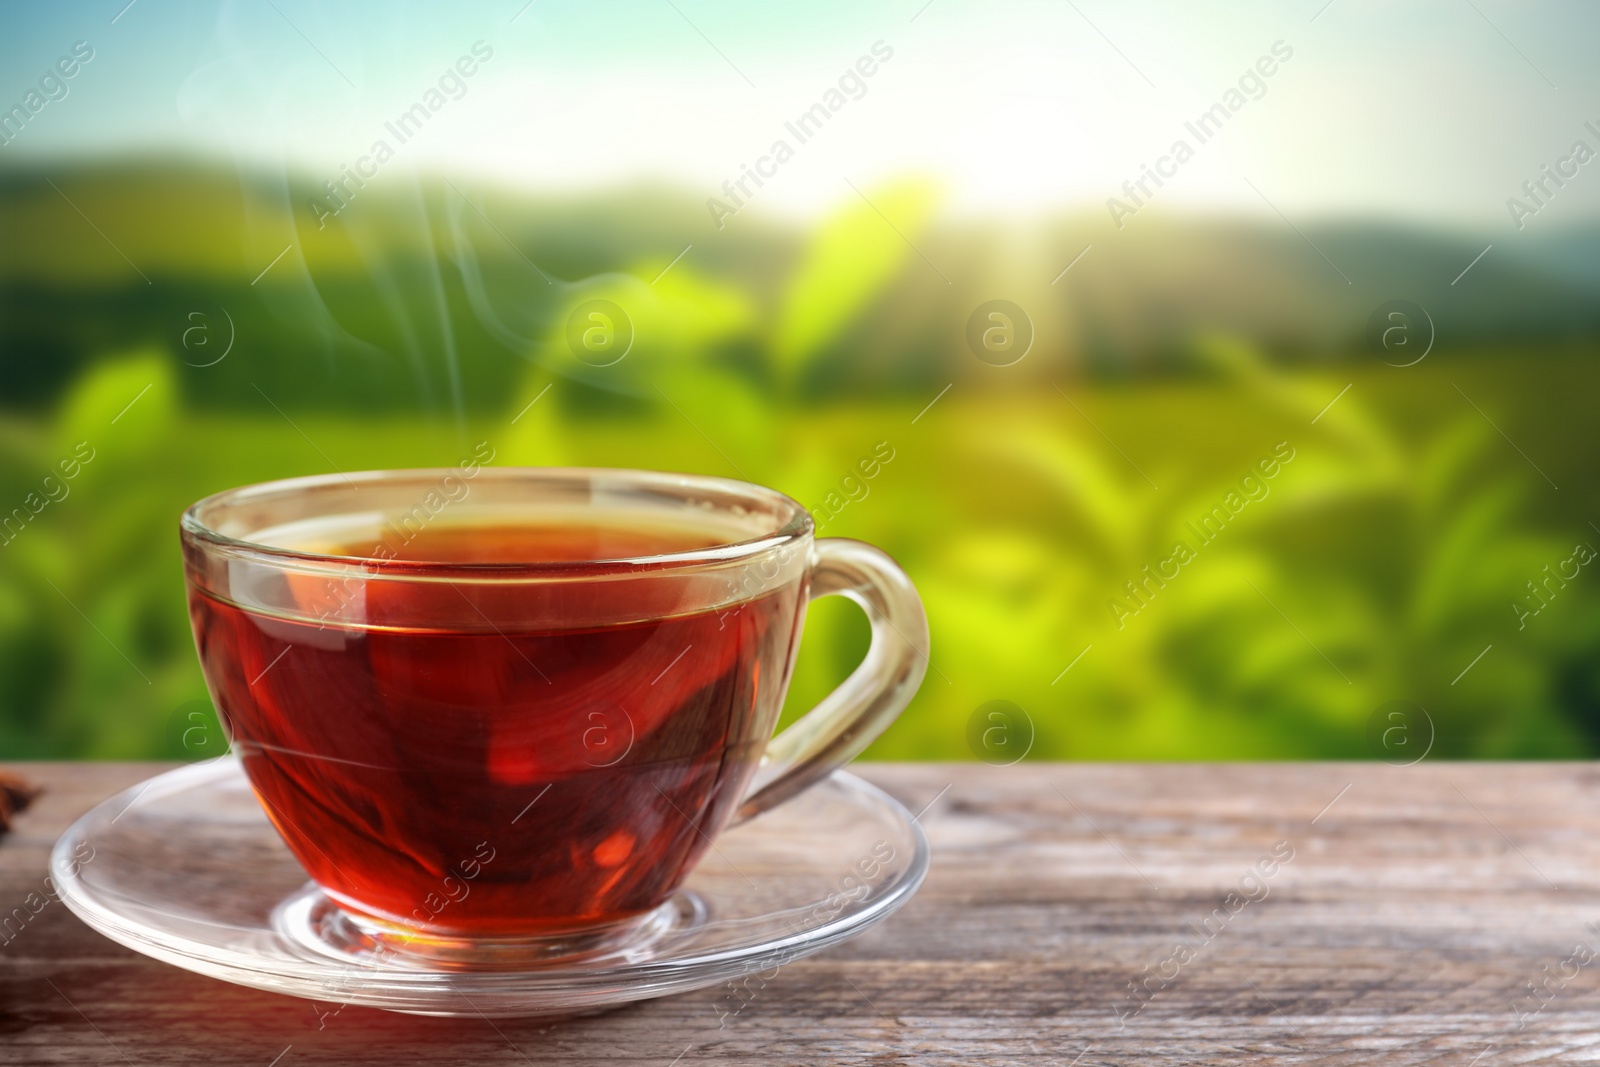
(496, 779)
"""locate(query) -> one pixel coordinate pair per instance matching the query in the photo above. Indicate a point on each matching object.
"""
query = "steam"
(514, 340)
(270, 106)
(258, 103)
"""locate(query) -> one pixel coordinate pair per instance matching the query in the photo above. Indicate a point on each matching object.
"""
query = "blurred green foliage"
(1380, 562)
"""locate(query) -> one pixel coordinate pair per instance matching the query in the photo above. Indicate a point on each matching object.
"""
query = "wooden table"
(1380, 915)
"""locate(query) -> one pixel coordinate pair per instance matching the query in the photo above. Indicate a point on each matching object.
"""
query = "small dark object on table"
(15, 795)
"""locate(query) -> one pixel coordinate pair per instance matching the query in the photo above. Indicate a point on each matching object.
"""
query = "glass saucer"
(187, 869)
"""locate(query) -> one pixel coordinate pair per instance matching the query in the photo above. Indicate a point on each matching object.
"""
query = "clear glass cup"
(491, 728)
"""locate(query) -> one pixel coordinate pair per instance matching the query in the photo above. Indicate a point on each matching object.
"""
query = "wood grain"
(1418, 905)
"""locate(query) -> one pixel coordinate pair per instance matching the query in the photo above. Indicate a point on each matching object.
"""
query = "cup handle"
(853, 715)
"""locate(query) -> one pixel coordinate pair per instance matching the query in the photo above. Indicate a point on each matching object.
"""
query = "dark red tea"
(494, 778)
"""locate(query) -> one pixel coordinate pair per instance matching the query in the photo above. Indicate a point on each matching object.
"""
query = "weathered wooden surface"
(1406, 928)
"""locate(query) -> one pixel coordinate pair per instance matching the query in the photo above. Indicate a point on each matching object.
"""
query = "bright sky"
(1433, 111)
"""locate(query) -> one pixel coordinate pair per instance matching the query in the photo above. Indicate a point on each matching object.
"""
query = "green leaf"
(851, 258)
